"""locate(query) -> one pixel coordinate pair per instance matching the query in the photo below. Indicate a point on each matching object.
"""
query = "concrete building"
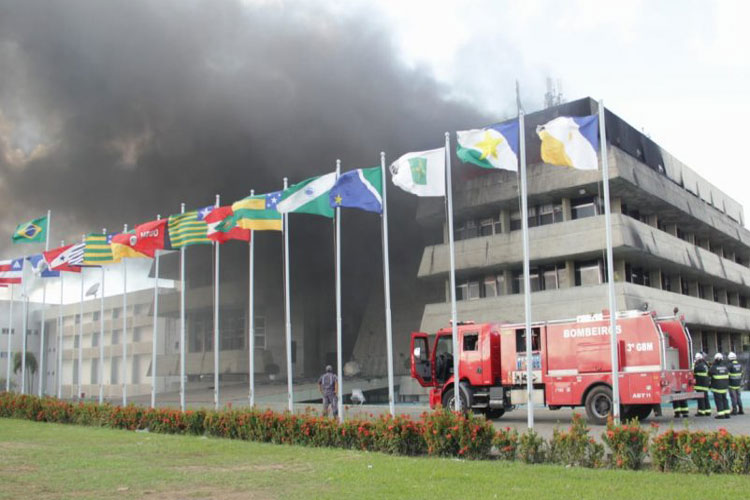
(679, 242)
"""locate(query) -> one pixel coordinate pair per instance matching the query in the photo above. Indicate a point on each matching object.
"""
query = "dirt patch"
(206, 494)
(17, 469)
(15, 445)
(240, 468)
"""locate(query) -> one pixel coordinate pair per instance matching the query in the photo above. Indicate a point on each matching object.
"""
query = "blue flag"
(361, 188)
(40, 268)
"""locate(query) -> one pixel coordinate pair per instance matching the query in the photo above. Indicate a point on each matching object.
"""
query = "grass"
(39, 460)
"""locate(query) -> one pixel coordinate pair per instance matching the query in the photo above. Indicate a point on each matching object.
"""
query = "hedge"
(439, 433)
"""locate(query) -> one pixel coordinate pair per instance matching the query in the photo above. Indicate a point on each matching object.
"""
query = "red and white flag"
(214, 221)
(11, 271)
(66, 258)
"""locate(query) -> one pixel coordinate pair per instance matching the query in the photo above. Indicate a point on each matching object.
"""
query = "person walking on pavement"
(719, 373)
(328, 385)
(735, 384)
(702, 385)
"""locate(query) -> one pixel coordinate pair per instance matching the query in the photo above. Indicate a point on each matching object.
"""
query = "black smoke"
(113, 112)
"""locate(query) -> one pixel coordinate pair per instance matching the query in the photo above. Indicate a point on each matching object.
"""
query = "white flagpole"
(156, 326)
(10, 332)
(339, 333)
(80, 341)
(216, 320)
(24, 327)
(101, 334)
(454, 312)
(526, 273)
(387, 292)
(124, 370)
(287, 311)
(251, 316)
(610, 270)
(60, 334)
(44, 307)
(182, 321)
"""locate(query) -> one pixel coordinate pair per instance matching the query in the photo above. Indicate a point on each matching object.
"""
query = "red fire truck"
(570, 364)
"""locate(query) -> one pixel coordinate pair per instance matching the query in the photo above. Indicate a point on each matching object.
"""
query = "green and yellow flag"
(189, 228)
(98, 249)
(257, 212)
(34, 231)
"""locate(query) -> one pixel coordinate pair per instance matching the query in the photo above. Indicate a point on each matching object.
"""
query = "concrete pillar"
(690, 237)
(619, 270)
(567, 211)
(505, 218)
(615, 205)
(652, 220)
(733, 298)
(568, 276)
(722, 294)
(508, 279)
(655, 278)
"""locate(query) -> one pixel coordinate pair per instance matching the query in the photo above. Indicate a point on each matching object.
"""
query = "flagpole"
(387, 292)
(610, 269)
(44, 306)
(124, 326)
(182, 321)
(80, 337)
(526, 273)
(454, 312)
(101, 333)
(10, 331)
(251, 316)
(24, 326)
(287, 311)
(60, 335)
(216, 320)
(339, 367)
(156, 326)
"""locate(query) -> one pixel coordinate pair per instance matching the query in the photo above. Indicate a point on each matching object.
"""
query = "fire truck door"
(421, 367)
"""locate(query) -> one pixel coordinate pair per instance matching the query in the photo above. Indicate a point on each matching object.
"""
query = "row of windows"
(548, 277)
(13, 331)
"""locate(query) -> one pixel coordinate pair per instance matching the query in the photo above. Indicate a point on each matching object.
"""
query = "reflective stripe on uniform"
(720, 377)
(700, 388)
(719, 391)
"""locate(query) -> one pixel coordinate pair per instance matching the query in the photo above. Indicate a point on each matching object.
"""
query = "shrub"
(628, 443)
(448, 433)
(575, 446)
(701, 451)
(399, 436)
(505, 442)
(532, 448)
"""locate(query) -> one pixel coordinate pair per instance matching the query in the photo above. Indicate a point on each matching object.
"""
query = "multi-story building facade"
(679, 242)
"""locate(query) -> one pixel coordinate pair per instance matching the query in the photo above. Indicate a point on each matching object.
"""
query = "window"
(490, 286)
(521, 339)
(585, 207)
(76, 340)
(732, 343)
(78, 319)
(532, 216)
(468, 290)
(589, 273)
(94, 374)
(260, 332)
(719, 343)
(96, 316)
(115, 337)
(684, 287)
(471, 230)
(471, 341)
(500, 279)
(550, 279)
(137, 334)
(637, 275)
(550, 214)
(95, 339)
(116, 312)
(666, 282)
(704, 342)
(743, 301)
(515, 220)
(486, 227)
(233, 330)
(75, 373)
(114, 372)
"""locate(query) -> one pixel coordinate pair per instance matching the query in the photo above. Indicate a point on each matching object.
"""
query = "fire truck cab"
(570, 364)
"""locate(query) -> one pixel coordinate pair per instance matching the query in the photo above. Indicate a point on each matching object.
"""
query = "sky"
(104, 104)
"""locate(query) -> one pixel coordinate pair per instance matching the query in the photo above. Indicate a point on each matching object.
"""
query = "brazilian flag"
(34, 231)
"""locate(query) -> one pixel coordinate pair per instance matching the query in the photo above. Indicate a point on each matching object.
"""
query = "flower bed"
(439, 433)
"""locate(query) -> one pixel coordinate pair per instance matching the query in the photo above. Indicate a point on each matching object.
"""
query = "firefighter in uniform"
(719, 373)
(702, 385)
(735, 384)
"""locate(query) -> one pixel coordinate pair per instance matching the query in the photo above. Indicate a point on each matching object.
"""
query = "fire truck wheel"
(495, 413)
(599, 404)
(448, 400)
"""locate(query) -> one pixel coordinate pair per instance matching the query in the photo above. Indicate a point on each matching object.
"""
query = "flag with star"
(98, 249)
(34, 231)
(11, 271)
(189, 228)
(493, 147)
(257, 212)
(361, 188)
(308, 197)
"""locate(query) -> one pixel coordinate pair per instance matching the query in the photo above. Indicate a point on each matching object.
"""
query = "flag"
(215, 220)
(11, 271)
(66, 258)
(495, 146)
(189, 228)
(143, 241)
(361, 188)
(39, 266)
(98, 249)
(570, 141)
(34, 231)
(308, 197)
(421, 173)
(257, 212)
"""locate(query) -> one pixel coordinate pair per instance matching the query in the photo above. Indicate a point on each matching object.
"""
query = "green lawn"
(39, 460)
